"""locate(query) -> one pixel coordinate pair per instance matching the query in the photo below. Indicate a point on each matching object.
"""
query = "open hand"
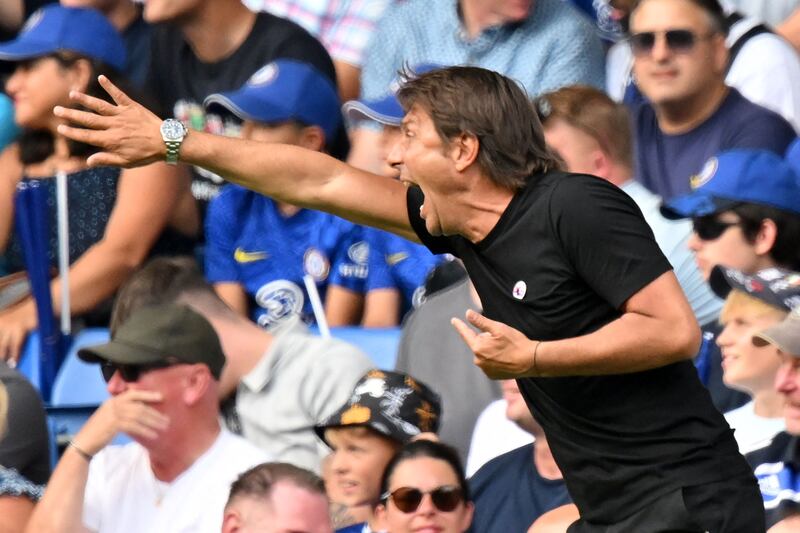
(126, 132)
(129, 412)
(501, 351)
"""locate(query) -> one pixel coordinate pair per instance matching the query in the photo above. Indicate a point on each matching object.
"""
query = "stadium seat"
(78, 390)
(28, 364)
(380, 344)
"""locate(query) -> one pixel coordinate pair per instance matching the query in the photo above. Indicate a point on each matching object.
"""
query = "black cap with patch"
(777, 287)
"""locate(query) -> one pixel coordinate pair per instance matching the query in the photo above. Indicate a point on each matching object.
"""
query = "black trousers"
(730, 506)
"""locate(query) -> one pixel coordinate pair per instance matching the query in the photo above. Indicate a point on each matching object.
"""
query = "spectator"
(201, 48)
(259, 250)
(424, 487)
(777, 466)
(275, 498)
(398, 267)
(690, 114)
(24, 458)
(492, 422)
(163, 368)
(434, 352)
(511, 491)
(280, 386)
(111, 229)
(542, 44)
(753, 303)
(344, 27)
(744, 212)
(763, 67)
(385, 411)
(744, 218)
(126, 17)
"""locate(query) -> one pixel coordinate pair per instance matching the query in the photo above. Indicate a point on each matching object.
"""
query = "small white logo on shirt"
(520, 288)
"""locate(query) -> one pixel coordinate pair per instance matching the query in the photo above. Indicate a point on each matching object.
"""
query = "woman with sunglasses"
(424, 489)
(116, 217)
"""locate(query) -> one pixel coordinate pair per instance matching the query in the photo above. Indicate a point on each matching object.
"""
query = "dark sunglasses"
(131, 373)
(679, 41)
(445, 498)
(711, 228)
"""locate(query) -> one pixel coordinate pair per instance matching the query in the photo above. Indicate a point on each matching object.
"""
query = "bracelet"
(80, 451)
(535, 351)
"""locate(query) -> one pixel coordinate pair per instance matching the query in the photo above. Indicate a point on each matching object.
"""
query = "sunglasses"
(445, 498)
(711, 228)
(131, 373)
(678, 41)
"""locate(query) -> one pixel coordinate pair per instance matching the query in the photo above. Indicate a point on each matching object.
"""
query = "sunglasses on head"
(131, 373)
(678, 41)
(445, 498)
(711, 228)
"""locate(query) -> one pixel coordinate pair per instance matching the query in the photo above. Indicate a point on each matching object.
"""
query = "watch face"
(172, 130)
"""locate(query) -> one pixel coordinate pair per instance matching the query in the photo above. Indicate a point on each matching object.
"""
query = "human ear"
(312, 138)
(765, 239)
(464, 150)
(81, 72)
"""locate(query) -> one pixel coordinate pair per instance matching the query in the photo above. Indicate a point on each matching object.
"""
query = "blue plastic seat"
(78, 390)
(380, 344)
(28, 364)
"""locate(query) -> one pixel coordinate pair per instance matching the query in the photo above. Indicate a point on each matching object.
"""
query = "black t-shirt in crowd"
(179, 81)
(566, 254)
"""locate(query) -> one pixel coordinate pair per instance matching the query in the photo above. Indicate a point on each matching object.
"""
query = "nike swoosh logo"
(241, 256)
(393, 259)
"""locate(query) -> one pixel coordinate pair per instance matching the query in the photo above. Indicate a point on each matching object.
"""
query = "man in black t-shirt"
(213, 46)
(581, 306)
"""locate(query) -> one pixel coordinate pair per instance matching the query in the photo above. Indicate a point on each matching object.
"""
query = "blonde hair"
(739, 302)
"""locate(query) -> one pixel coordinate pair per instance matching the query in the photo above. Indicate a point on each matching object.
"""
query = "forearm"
(632, 343)
(286, 173)
(61, 507)
(95, 276)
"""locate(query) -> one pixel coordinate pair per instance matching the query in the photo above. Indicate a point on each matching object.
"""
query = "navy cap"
(777, 287)
(386, 110)
(738, 176)
(285, 90)
(55, 28)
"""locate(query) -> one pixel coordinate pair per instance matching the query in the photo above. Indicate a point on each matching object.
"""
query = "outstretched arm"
(129, 135)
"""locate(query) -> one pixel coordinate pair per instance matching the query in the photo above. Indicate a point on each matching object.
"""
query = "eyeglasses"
(445, 498)
(711, 228)
(131, 373)
(678, 41)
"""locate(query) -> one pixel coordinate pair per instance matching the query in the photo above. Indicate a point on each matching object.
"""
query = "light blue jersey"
(251, 243)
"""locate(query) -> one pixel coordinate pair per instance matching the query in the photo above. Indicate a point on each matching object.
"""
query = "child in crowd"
(386, 410)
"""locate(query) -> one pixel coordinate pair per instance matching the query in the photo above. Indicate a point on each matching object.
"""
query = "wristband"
(535, 351)
(80, 451)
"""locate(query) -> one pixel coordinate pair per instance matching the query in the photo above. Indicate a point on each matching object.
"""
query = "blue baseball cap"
(285, 90)
(55, 28)
(738, 176)
(793, 155)
(386, 110)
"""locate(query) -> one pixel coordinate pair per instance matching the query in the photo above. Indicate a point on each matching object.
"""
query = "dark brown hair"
(594, 113)
(489, 106)
(259, 481)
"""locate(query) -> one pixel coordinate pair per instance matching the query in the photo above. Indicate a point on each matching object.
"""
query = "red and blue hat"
(281, 91)
(735, 177)
(55, 28)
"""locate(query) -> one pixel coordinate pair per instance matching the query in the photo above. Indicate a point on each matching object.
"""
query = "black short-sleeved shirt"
(566, 254)
(179, 81)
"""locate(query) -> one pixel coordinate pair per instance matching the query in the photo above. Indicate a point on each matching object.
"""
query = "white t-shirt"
(494, 435)
(123, 495)
(752, 431)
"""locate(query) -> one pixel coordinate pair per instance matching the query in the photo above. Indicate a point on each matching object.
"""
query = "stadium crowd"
(663, 209)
